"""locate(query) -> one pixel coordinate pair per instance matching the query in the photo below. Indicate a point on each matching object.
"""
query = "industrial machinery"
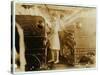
(34, 39)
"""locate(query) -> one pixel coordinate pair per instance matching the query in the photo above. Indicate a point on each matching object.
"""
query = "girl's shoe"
(51, 60)
(56, 62)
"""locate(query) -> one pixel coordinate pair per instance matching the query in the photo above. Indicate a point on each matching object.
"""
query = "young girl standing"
(54, 41)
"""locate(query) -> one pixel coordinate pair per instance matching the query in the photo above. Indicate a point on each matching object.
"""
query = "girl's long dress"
(54, 38)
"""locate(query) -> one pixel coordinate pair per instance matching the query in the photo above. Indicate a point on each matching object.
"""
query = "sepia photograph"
(49, 37)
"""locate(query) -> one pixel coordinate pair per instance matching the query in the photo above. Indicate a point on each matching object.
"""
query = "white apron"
(54, 38)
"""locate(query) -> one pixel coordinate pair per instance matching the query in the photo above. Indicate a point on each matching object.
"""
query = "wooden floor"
(63, 67)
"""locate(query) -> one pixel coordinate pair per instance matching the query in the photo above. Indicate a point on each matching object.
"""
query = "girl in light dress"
(54, 41)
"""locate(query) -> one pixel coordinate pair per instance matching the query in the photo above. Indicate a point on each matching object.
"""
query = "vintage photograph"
(52, 37)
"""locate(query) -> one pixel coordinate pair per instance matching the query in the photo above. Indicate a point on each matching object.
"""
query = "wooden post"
(22, 48)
